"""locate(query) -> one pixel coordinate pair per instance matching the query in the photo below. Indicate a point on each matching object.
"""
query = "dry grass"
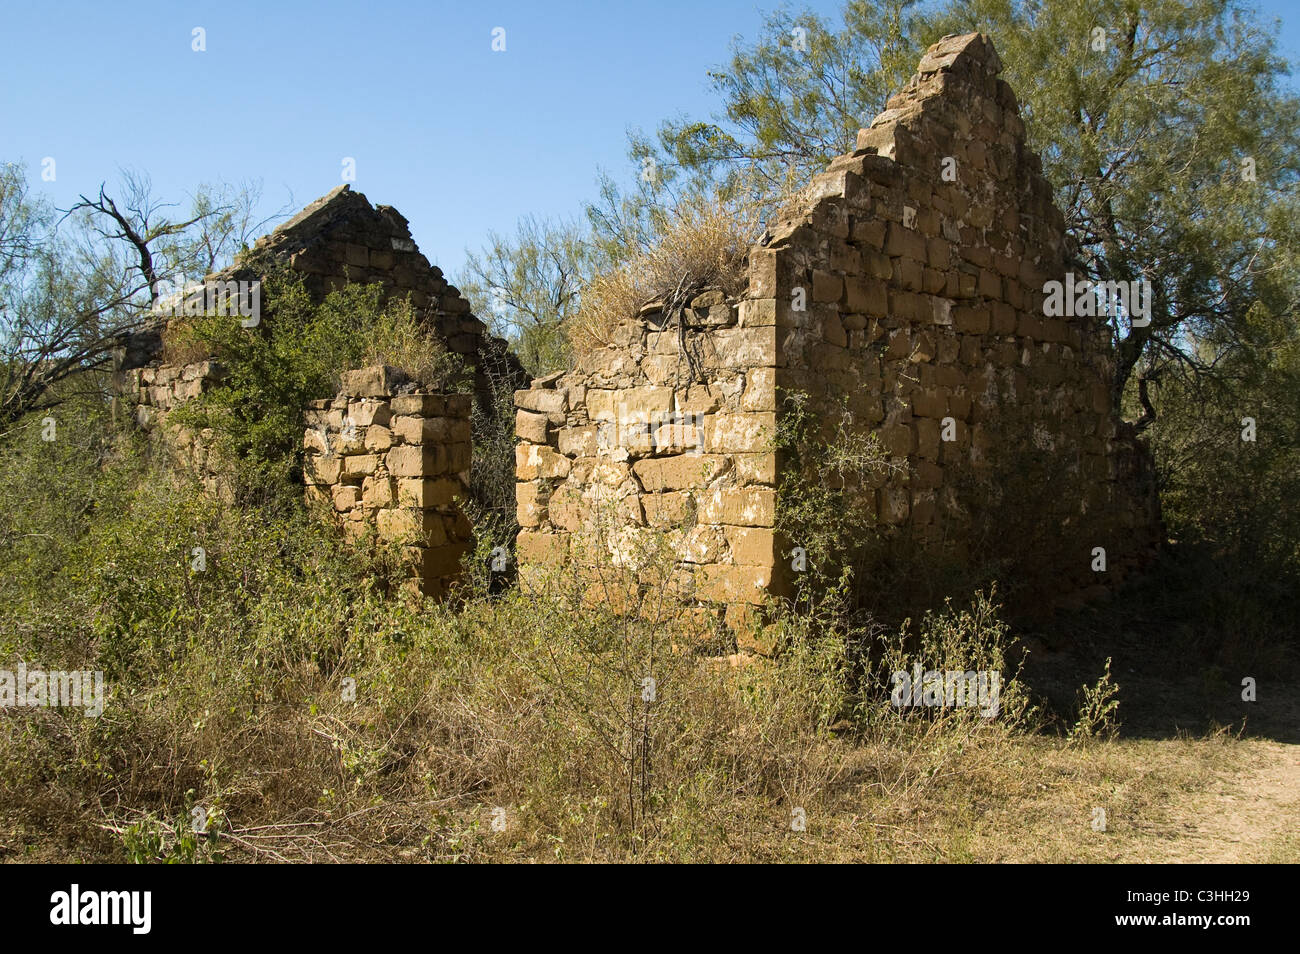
(397, 339)
(180, 346)
(422, 778)
(703, 243)
(514, 728)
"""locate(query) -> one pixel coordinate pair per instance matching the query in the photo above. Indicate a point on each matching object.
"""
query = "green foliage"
(151, 840)
(225, 690)
(526, 287)
(54, 494)
(491, 506)
(73, 286)
(295, 355)
(1097, 707)
(700, 241)
(1144, 140)
(233, 673)
(1231, 483)
(824, 500)
(794, 99)
(1229, 501)
(967, 640)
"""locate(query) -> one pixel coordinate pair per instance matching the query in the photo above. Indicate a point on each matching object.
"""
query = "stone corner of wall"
(393, 462)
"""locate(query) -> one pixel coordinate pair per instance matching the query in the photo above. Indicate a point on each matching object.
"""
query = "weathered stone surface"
(530, 500)
(532, 462)
(549, 549)
(551, 402)
(376, 381)
(431, 430)
(366, 412)
(734, 584)
(428, 492)
(683, 472)
(531, 427)
(901, 299)
(360, 465)
(407, 493)
(743, 507)
(378, 438)
(752, 546)
(322, 470)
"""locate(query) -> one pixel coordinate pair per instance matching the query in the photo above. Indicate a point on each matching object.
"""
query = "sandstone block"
(578, 441)
(867, 297)
(428, 493)
(366, 412)
(360, 465)
(411, 461)
(740, 433)
(826, 286)
(551, 549)
(683, 472)
(321, 470)
(933, 404)
(533, 461)
(530, 503)
(741, 507)
(702, 544)
(378, 492)
(970, 319)
(375, 381)
(431, 430)
(733, 584)
(755, 468)
(378, 438)
(758, 312)
(760, 390)
(419, 405)
(742, 347)
(345, 498)
(753, 546)
(669, 509)
(552, 402)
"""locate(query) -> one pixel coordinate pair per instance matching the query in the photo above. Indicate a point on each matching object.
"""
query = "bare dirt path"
(1250, 814)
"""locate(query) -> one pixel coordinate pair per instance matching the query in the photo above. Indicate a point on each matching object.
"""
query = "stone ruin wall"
(161, 388)
(337, 240)
(632, 441)
(383, 458)
(341, 239)
(902, 295)
(394, 462)
(922, 306)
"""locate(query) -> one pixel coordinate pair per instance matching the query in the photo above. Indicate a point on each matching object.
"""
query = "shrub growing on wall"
(294, 355)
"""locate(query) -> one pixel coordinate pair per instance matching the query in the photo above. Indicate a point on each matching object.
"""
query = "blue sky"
(460, 139)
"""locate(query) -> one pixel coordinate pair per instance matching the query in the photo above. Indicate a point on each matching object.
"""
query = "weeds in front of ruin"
(278, 701)
(308, 715)
(826, 504)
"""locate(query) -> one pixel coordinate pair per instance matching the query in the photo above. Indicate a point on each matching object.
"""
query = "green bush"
(296, 354)
(1229, 489)
(824, 499)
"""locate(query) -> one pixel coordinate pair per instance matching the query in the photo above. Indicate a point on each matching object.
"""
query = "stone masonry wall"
(337, 240)
(161, 389)
(394, 461)
(924, 255)
(342, 239)
(633, 441)
(906, 289)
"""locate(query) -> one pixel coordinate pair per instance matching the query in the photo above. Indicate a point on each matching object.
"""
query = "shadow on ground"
(1179, 654)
